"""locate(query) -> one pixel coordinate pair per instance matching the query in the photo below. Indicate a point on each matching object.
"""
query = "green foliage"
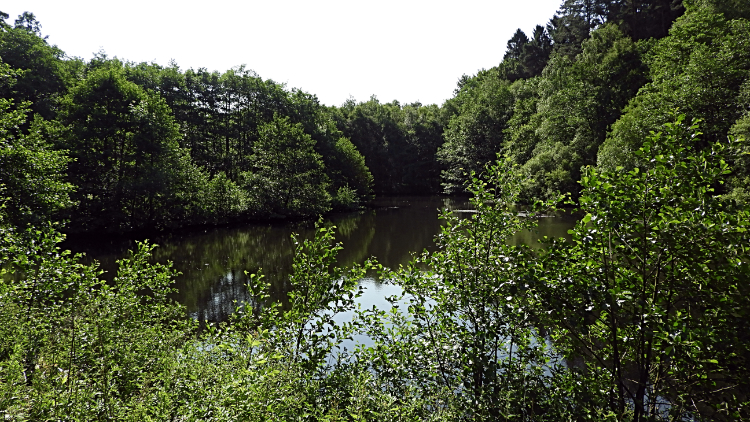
(75, 347)
(572, 81)
(639, 19)
(224, 200)
(346, 199)
(575, 102)
(698, 69)
(460, 338)
(636, 318)
(288, 175)
(461, 341)
(296, 341)
(525, 58)
(319, 291)
(521, 136)
(219, 114)
(398, 142)
(474, 134)
(643, 304)
(129, 168)
(738, 183)
(45, 76)
(156, 147)
(221, 117)
(31, 172)
(78, 348)
(652, 287)
(568, 31)
(731, 9)
(644, 19)
(349, 168)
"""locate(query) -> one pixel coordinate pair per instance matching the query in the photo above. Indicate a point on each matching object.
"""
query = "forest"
(633, 113)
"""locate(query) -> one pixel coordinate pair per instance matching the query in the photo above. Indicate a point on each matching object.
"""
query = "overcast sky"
(407, 50)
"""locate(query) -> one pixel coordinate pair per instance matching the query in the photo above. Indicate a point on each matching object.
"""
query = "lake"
(213, 261)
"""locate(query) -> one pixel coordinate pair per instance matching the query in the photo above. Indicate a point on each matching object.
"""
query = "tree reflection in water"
(213, 261)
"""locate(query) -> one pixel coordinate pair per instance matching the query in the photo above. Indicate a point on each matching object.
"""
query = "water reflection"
(550, 226)
(213, 261)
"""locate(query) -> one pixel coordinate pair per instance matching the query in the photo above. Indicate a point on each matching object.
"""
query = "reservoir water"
(213, 261)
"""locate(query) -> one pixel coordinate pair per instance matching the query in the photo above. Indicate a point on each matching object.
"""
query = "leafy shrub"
(652, 288)
(346, 199)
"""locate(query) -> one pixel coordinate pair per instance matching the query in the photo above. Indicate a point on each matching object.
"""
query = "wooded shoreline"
(635, 113)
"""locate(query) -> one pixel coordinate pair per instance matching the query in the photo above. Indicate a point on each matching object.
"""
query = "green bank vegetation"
(145, 146)
(639, 316)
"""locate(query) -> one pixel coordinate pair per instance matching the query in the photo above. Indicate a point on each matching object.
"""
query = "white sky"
(407, 50)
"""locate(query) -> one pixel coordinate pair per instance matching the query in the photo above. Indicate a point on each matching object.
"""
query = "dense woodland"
(632, 111)
(139, 145)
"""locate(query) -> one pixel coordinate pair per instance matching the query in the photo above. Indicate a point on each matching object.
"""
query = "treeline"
(587, 89)
(584, 89)
(143, 146)
(399, 142)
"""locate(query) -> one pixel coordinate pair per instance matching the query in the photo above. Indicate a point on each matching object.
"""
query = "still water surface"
(213, 262)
